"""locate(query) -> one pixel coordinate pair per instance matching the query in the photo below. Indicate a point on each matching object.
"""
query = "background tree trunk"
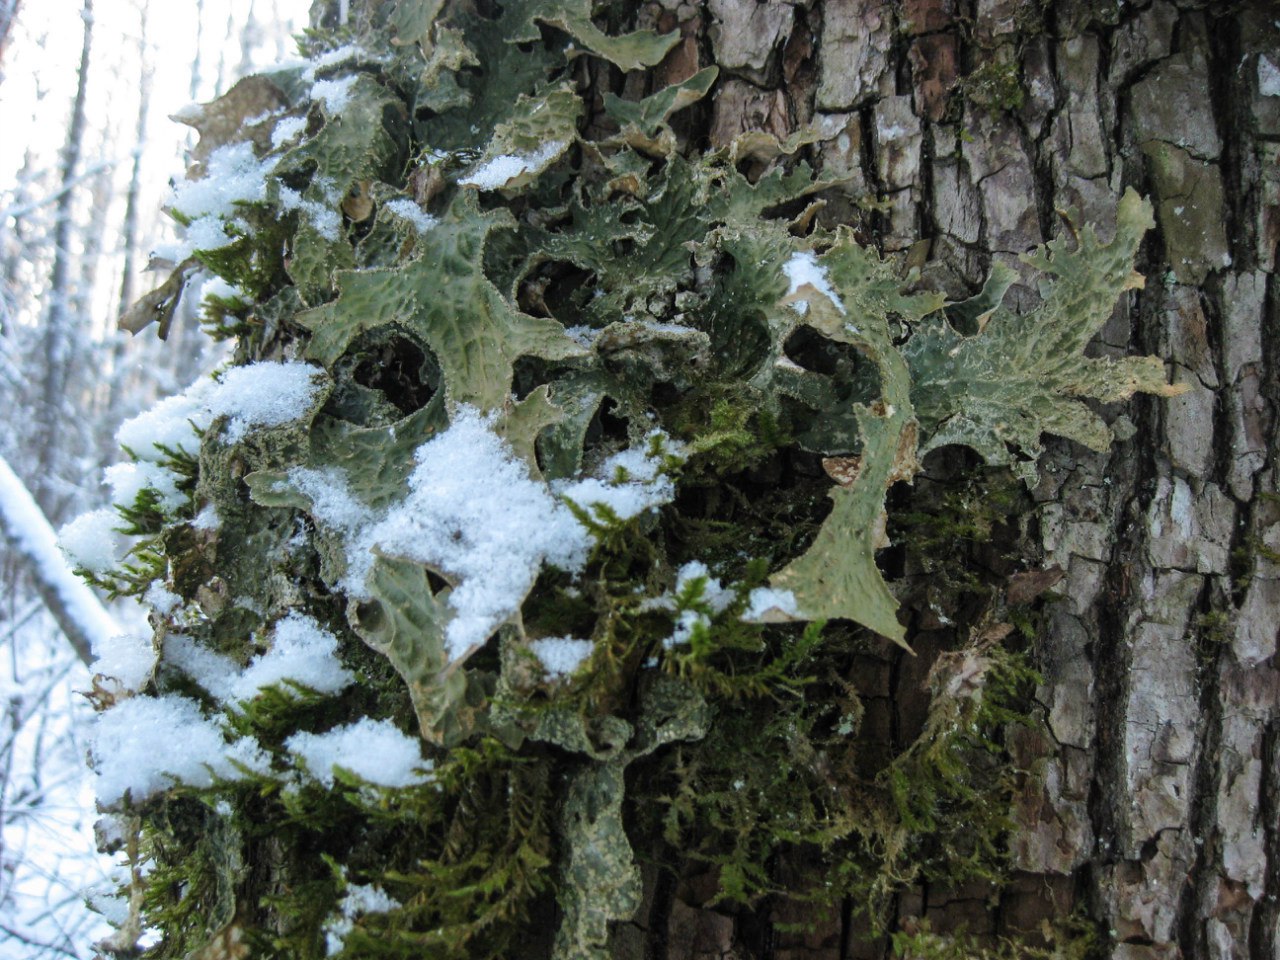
(1155, 810)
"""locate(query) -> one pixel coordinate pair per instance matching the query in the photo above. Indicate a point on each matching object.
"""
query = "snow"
(222, 289)
(714, 594)
(763, 600)
(29, 533)
(1268, 77)
(583, 336)
(630, 481)
(128, 480)
(266, 394)
(326, 220)
(329, 58)
(474, 514)
(233, 175)
(127, 657)
(500, 171)
(359, 899)
(374, 750)
(146, 744)
(301, 651)
(172, 423)
(408, 210)
(334, 94)
(561, 656)
(802, 270)
(207, 518)
(286, 130)
(89, 541)
(161, 598)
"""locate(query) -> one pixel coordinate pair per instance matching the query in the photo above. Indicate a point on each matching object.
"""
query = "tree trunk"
(59, 336)
(1144, 581)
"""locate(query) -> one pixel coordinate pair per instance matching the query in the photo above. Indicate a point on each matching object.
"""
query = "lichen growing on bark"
(687, 404)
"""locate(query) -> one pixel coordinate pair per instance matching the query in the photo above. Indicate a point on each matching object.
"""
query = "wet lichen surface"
(704, 459)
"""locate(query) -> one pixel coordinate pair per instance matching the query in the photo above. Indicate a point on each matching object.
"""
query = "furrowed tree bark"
(1154, 812)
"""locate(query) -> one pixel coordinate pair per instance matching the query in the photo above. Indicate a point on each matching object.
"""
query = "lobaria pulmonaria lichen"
(536, 522)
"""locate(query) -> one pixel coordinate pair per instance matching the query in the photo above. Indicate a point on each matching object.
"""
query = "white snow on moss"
(714, 594)
(127, 658)
(334, 94)
(267, 394)
(173, 423)
(222, 289)
(629, 482)
(498, 172)
(406, 209)
(359, 900)
(90, 540)
(561, 656)
(802, 270)
(713, 597)
(128, 480)
(374, 750)
(233, 175)
(302, 652)
(147, 744)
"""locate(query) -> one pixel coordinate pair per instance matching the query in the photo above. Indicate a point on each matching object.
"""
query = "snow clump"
(374, 750)
(714, 596)
(500, 171)
(561, 656)
(764, 601)
(407, 210)
(302, 652)
(802, 270)
(233, 175)
(359, 899)
(90, 540)
(474, 514)
(144, 745)
(127, 658)
(334, 94)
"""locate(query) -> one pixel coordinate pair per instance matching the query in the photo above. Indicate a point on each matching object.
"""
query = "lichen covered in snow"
(474, 514)
(804, 270)
(334, 94)
(406, 209)
(265, 394)
(496, 173)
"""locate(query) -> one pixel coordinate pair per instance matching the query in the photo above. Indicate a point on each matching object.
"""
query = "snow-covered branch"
(80, 614)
